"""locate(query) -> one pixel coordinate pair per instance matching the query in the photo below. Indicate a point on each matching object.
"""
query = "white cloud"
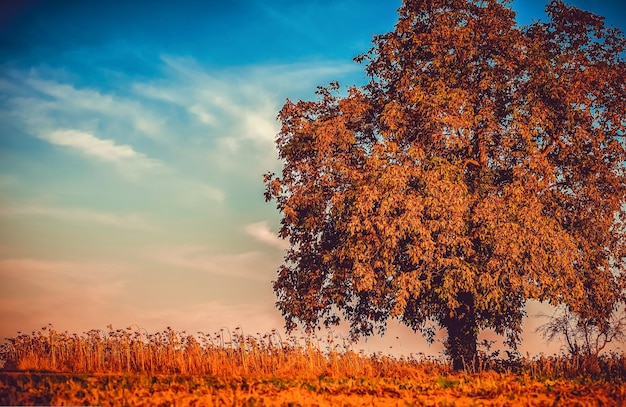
(128, 221)
(261, 231)
(84, 105)
(240, 103)
(130, 163)
(91, 145)
(202, 115)
(106, 126)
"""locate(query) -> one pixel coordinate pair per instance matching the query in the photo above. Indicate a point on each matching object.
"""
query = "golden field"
(485, 389)
(133, 368)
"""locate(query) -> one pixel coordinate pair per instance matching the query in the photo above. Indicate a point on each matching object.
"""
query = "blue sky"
(133, 139)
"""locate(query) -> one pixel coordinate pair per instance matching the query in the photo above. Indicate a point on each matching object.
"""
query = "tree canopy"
(482, 166)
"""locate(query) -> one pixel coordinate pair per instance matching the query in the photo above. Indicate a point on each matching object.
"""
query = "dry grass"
(224, 353)
(227, 353)
(132, 367)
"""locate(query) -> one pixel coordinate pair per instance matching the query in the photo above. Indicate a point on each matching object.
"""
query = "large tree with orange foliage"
(482, 166)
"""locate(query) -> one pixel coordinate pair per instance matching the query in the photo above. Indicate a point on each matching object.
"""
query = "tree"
(481, 166)
(580, 337)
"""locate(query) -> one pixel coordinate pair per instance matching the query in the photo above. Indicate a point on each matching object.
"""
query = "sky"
(133, 139)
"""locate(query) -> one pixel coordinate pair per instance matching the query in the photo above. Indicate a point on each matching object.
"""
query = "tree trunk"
(462, 333)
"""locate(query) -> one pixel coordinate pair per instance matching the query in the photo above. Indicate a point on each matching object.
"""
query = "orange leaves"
(391, 116)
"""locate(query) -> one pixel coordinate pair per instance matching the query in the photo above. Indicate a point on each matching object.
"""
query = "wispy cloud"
(104, 149)
(224, 120)
(203, 115)
(242, 101)
(228, 105)
(261, 231)
(98, 124)
(126, 221)
(84, 105)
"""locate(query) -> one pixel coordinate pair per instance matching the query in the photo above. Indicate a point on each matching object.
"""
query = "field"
(133, 368)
